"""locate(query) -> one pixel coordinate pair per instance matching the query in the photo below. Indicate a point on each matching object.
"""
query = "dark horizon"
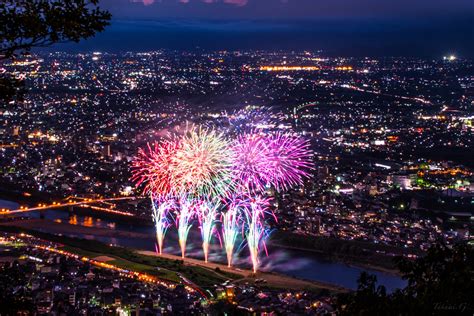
(408, 37)
(424, 28)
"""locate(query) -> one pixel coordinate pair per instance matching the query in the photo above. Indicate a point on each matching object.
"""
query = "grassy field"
(129, 265)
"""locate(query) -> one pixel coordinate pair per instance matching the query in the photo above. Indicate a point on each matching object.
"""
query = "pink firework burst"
(250, 165)
(289, 159)
(262, 160)
(152, 168)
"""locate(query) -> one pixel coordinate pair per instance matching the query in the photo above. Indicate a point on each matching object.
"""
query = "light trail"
(416, 99)
(127, 273)
(189, 286)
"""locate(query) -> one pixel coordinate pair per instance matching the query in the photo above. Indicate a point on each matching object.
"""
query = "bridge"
(300, 107)
(70, 202)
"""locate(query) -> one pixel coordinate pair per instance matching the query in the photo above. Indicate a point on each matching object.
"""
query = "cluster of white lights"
(449, 58)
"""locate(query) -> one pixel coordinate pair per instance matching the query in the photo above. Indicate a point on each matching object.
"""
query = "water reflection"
(73, 220)
(88, 221)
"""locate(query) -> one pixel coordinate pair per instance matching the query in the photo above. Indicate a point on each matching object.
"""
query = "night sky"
(338, 27)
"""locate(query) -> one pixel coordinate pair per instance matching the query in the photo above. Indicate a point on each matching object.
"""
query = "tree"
(25, 24)
(369, 298)
(441, 282)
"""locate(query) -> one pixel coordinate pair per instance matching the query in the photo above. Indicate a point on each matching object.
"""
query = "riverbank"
(283, 260)
(61, 228)
(356, 254)
(11, 193)
(352, 252)
(349, 262)
(272, 279)
(167, 266)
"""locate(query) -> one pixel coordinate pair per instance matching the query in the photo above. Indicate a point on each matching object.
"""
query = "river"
(297, 263)
(8, 204)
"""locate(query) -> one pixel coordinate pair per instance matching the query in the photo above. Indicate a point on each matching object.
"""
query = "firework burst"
(191, 172)
(152, 168)
(261, 160)
(289, 159)
(250, 166)
(202, 165)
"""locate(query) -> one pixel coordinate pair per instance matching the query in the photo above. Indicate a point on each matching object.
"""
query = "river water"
(8, 204)
(297, 263)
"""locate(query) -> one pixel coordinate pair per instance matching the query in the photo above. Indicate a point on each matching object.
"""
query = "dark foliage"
(441, 282)
(25, 24)
(15, 297)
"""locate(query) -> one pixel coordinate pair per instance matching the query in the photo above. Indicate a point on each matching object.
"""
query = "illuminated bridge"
(76, 201)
